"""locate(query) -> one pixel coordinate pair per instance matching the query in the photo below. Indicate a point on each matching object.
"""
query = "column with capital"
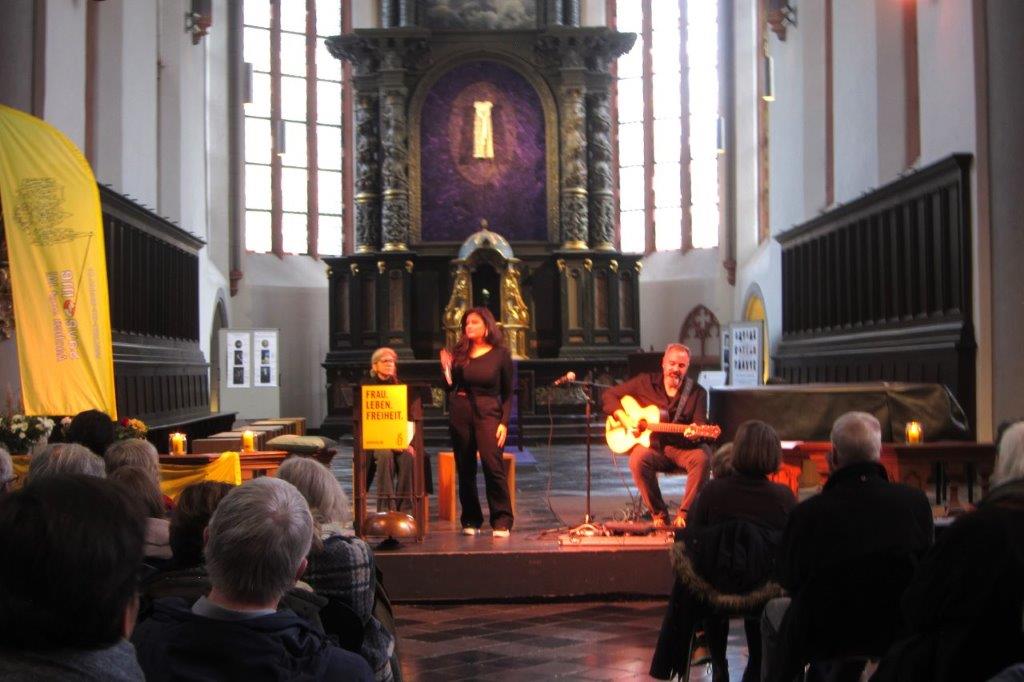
(367, 180)
(574, 167)
(394, 153)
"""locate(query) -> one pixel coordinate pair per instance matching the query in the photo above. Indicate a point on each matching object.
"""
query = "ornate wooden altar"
(483, 177)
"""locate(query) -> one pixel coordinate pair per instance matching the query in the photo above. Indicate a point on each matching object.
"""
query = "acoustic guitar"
(648, 421)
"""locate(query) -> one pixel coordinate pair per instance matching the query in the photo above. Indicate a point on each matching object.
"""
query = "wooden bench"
(253, 464)
(447, 481)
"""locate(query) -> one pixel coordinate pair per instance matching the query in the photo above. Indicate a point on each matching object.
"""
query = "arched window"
(667, 124)
(293, 127)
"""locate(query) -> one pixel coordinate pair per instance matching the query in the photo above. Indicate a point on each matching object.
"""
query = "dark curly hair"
(460, 354)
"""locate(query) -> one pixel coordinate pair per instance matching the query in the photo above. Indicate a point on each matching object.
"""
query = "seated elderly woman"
(963, 608)
(64, 458)
(144, 487)
(393, 468)
(341, 567)
(723, 558)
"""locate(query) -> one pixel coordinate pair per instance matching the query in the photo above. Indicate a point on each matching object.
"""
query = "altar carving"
(472, 123)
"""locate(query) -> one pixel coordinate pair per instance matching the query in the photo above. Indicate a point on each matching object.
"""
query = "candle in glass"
(248, 441)
(178, 443)
(914, 432)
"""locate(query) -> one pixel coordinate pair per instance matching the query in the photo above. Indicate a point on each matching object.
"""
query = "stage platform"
(533, 564)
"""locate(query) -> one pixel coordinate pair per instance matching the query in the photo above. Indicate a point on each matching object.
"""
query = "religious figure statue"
(483, 131)
(460, 301)
(515, 315)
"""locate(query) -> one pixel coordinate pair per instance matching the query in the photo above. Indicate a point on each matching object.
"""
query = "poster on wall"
(264, 368)
(746, 351)
(237, 361)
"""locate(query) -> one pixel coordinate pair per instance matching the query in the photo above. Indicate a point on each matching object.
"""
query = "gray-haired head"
(677, 347)
(1010, 458)
(856, 437)
(258, 538)
(382, 352)
(327, 500)
(64, 458)
(6, 470)
(133, 452)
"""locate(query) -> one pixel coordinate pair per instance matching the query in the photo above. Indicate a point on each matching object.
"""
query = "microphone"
(566, 378)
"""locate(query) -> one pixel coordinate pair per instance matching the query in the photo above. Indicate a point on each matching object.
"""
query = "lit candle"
(248, 440)
(914, 433)
(178, 443)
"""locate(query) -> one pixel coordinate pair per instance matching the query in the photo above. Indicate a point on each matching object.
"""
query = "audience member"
(7, 476)
(963, 609)
(725, 557)
(71, 548)
(847, 555)
(93, 429)
(192, 513)
(144, 487)
(135, 452)
(721, 462)
(256, 548)
(64, 458)
(341, 567)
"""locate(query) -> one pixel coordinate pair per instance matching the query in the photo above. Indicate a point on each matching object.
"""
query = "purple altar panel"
(457, 190)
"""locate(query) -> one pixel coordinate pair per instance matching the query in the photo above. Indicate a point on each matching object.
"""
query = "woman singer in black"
(478, 375)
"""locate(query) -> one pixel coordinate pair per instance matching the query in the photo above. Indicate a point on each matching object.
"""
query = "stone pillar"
(394, 154)
(407, 13)
(599, 171)
(571, 12)
(367, 180)
(554, 17)
(574, 167)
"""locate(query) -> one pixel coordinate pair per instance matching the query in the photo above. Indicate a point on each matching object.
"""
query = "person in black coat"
(724, 557)
(963, 609)
(846, 557)
(478, 377)
(680, 400)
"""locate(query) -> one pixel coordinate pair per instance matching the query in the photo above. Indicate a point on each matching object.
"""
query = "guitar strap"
(683, 397)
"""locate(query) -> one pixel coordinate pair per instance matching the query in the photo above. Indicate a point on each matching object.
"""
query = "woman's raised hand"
(446, 364)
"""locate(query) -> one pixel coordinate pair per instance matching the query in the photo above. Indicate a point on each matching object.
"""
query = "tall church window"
(667, 123)
(293, 128)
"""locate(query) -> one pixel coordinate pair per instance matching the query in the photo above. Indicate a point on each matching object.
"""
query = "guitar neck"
(662, 427)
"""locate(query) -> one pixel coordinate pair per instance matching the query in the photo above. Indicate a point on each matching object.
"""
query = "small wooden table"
(253, 464)
(950, 464)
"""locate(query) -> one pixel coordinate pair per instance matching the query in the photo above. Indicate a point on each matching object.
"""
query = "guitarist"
(681, 400)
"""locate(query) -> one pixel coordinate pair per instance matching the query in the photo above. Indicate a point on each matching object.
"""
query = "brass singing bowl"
(390, 524)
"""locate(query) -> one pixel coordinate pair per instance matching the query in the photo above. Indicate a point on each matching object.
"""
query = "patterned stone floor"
(570, 641)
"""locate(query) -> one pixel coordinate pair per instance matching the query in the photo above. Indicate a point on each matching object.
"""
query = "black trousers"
(473, 423)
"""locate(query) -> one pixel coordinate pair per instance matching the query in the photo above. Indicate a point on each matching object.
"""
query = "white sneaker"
(470, 530)
(501, 533)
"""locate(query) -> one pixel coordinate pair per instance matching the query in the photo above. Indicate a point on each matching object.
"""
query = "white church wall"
(290, 294)
(672, 283)
(64, 69)
(744, 156)
(855, 102)
(891, 98)
(17, 42)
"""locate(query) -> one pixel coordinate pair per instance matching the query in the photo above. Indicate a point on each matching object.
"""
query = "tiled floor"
(572, 641)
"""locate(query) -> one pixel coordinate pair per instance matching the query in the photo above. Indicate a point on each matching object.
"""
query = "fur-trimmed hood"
(745, 602)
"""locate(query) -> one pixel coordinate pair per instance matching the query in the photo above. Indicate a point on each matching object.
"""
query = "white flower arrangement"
(20, 433)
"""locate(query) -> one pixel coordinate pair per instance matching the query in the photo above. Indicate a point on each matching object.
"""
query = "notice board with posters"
(249, 373)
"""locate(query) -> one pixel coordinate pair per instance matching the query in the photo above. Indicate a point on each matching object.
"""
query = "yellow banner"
(385, 412)
(54, 229)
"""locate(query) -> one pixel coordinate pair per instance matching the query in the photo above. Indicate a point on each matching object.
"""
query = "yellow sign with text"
(385, 414)
(54, 231)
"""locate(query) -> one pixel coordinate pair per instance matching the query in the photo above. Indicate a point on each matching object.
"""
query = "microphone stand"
(587, 527)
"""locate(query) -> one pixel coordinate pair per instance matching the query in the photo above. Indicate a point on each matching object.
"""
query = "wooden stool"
(446, 482)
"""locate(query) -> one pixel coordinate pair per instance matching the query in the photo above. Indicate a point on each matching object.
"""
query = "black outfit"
(480, 398)
(668, 452)
(963, 609)
(176, 643)
(846, 557)
(723, 560)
